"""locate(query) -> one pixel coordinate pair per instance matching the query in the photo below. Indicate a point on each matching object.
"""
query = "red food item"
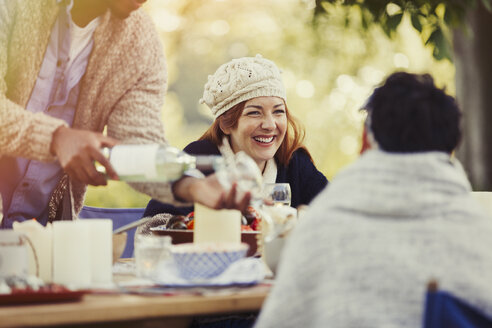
(255, 225)
(251, 214)
(190, 216)
(245, 227)
(190, 225)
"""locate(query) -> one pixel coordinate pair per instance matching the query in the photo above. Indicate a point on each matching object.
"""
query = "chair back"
(444, 310)
(120, 217)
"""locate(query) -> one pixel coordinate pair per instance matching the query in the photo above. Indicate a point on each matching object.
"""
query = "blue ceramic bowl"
(207, 260)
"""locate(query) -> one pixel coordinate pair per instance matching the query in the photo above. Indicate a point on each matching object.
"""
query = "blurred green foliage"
(431, 18)
(329, 69)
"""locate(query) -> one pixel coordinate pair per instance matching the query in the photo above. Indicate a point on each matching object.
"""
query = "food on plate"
(251, 215)
(177, 222)
(187, 222)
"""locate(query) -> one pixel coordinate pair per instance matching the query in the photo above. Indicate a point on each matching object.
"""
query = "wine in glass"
(278, 193)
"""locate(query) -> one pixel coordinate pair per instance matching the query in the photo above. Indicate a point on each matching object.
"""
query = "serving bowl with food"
(180, 229)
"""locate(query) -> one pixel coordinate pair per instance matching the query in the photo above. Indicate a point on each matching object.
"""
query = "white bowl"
(271, 252)
(206, 260)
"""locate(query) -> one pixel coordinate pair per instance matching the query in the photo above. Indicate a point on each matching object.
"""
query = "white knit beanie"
(242, 79)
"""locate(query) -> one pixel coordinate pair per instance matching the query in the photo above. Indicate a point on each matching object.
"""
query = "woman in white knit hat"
(248, 100)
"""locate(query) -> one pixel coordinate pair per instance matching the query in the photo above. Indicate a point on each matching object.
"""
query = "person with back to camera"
(248, 99)
(399, 216)
(68, 70)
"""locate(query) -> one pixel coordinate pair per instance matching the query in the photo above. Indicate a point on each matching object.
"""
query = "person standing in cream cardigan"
(68, 70)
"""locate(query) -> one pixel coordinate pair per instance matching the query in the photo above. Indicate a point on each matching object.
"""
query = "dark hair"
(293, 137)
(408, 113)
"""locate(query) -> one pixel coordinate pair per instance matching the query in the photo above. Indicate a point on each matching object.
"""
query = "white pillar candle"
(71, 254)
(101, 250)
(42, 240)
(216, 225)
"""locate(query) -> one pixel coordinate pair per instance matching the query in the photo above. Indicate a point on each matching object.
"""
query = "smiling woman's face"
(261, 128)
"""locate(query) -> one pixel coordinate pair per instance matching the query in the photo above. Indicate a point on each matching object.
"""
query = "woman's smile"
(264, 140)
(261, 128)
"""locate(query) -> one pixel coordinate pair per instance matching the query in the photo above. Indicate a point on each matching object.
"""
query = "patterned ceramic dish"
(186, 236)
(206, 260)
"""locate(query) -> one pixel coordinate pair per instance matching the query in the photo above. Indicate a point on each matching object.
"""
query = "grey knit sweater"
(123, 88)
(371, 241)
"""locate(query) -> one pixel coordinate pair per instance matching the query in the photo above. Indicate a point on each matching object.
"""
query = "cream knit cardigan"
(123, 88)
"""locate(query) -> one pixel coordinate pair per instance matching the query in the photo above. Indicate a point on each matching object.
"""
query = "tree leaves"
(441, 49)
(394, 21)
(427, 17)
(414, 18)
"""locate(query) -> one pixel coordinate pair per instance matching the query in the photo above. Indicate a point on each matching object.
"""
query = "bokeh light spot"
(166, 21)
(392, 8)
(370, 75)
(305, 89)
(219, 27)
(400, 60)
(345, 83)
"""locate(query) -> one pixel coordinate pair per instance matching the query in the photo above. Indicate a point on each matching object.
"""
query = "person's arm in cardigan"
(22, 133)
(38, 136)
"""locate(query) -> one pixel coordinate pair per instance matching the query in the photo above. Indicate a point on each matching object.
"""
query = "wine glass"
(278, 193)
(242, 169)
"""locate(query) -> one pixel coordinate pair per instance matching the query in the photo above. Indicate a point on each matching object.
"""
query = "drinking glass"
(243, 170)
(150, 251)
(278, 193)
(240, 168)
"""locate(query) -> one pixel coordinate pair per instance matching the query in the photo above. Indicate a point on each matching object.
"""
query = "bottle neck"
(208, 163)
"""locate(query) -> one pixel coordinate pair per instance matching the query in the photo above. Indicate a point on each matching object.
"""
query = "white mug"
(13, 254)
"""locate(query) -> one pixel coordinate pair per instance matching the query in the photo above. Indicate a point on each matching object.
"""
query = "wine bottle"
(158, 163)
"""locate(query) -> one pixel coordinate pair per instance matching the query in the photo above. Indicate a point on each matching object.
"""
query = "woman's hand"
(211, 193)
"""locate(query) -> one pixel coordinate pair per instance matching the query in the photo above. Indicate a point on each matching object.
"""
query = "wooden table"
(125, 310)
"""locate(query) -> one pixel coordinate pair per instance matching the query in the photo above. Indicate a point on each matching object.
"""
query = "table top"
(176, 305)
(120, 307)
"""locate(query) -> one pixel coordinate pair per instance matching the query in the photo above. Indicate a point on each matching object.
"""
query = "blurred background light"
(219, 27)
(392, 8)
(345, 83)
(166, 21)
(349, 145)
(238, 49)
(202, 46)
(305, 89)
(371, 75)
(400, 60)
